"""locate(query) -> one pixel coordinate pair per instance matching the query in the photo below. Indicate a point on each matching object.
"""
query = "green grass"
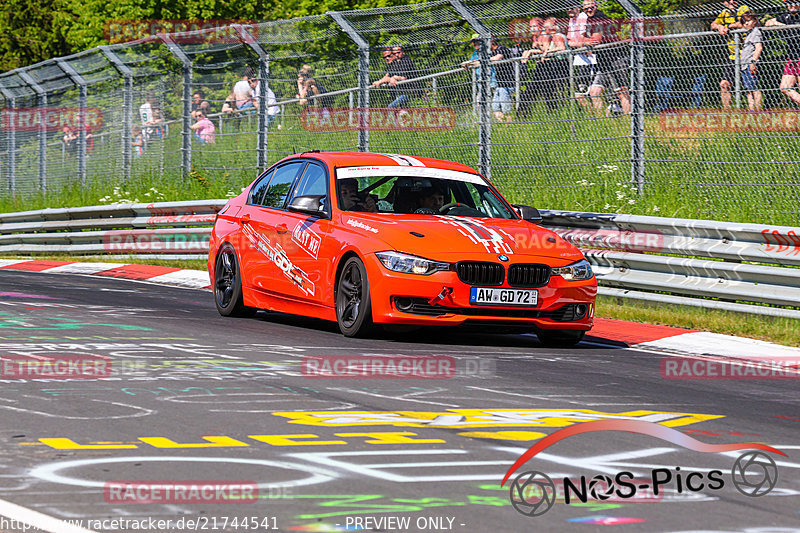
(568, 159)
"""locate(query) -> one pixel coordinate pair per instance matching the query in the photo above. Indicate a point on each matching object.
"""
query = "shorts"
(503, 99)
(749, 80)
(729, 73)
(584, 74)
(792, 68)
(616, 77)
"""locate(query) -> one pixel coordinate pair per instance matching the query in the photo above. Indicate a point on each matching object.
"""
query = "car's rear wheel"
(560, 338)
(228, 284)
(353, 307)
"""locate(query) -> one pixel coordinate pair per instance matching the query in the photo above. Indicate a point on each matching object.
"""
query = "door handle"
(282, 228)
(245, 219)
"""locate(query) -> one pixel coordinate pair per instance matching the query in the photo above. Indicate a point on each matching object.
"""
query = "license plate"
(493, 296)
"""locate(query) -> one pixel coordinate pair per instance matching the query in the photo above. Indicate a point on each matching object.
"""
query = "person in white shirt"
(584, 64)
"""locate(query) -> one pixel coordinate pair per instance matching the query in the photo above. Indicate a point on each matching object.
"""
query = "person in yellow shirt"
(729, 19)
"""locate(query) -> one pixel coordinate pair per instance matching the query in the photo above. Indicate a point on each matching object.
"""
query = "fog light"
(580, 311)
(403, 304)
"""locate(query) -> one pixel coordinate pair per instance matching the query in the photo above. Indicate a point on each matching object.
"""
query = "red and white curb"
(668, 339)
(174, 277)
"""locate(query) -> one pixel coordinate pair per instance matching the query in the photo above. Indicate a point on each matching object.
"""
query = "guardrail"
(174, 230)
(740, 267)
(691, 262)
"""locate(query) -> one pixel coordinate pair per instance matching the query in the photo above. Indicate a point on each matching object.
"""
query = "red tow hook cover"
(446, 291)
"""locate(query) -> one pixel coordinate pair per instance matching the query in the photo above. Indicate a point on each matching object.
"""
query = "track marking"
(38, 520)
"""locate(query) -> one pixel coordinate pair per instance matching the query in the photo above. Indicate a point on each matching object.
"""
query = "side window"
(258, 190)
(279, 185)
(313, 182)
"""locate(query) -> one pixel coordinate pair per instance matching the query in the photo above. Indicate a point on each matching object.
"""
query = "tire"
(353, 306)
(228, 284)
(559, 338)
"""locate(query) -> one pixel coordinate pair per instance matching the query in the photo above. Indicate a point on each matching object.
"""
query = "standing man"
(791, 71)
(729, 19)
(584, 64)
(612, 62)
(503, 101)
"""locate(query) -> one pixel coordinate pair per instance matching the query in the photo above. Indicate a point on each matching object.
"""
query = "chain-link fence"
(564, 108)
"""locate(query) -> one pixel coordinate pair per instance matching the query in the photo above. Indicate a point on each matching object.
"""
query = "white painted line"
(81, 268)
(38, 520)
(196, 279)
(705, 343)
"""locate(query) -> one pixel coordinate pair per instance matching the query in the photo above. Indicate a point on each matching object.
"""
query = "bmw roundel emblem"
(503, 258)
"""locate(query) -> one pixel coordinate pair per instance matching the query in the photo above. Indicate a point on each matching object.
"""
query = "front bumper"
(403, 299)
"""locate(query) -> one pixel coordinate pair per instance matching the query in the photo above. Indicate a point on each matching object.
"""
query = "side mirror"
(311, 204)
(531, 214)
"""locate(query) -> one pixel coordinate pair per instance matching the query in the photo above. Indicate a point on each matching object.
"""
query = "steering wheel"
(425, 211)
(447, 207)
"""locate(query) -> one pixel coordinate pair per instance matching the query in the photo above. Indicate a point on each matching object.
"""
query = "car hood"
(449, 238)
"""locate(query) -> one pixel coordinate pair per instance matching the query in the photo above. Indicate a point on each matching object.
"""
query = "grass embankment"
(784, 331)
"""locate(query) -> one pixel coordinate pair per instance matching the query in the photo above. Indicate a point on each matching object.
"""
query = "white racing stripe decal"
(491, 239)
(405, 160)
(426, 172)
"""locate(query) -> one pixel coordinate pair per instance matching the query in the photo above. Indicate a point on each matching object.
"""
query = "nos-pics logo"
(533, 493)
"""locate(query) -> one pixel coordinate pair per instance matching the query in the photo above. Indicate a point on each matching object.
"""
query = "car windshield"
(416, 190)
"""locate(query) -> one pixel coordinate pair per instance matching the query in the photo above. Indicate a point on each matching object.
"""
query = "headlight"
(410, 264)
(575, 272)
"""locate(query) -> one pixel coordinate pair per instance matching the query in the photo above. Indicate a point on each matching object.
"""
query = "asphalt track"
(195, 396)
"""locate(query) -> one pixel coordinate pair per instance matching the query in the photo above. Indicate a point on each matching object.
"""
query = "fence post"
(484, 90)
(127, 109)
(186, 126)
(41, 97)
(363, 78)
(737, 39)
(11, 141)
(263, 87)
(78, 80)
(636, 94)
(517, 84)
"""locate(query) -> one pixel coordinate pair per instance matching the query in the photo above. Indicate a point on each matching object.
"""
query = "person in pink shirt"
(204, 129)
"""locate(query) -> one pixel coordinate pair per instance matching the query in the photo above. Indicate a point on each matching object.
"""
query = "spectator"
(749, 56)
(308, 86)
(243, 93)
(503, 100)
(729, 19)
(791, 71)
(229, 106)
(584, 63)
(272, 108)
(70, 140)
(204, 130)
(550, 73)
(399, 68)
(199, 103)
(152, 119)
(137, 141)
(474, 60)
(612, 62)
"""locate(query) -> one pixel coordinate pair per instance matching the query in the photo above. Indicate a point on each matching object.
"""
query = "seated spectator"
(137, 141)
(199, 103)
(749, 56)
(308, 86)
(229, 106)
(243, 92)
(152, 119)
(70, 140)
(204, 129)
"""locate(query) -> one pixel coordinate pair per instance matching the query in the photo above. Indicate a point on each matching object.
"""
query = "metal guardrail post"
(127, 109)
(263, 109)
(78, 80)
(363, 78)
(636, 94)
(484, 90)
(42, 101)
(11, 142)
(186, 127)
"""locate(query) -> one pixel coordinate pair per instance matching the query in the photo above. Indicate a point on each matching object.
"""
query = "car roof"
(356, 159)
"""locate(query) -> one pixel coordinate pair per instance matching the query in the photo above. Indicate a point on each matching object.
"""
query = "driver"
(432, 198)
(351, 200)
